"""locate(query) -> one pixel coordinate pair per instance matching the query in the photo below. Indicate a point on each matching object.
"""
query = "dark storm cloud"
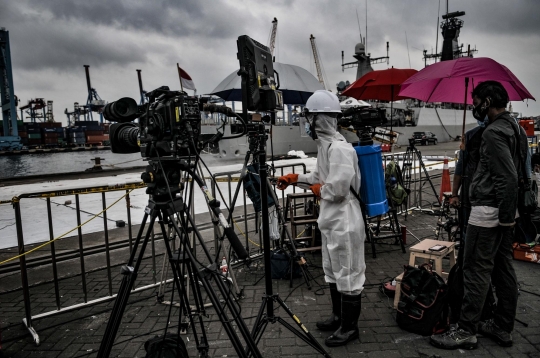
(170, 17)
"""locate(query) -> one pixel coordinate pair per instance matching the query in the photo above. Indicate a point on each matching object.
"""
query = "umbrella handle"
(462, 145)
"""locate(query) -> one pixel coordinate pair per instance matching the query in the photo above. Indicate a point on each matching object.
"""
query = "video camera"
(169, 125)
(361, 118)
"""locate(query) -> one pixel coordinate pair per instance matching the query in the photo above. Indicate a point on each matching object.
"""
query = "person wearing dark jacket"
(493, 195)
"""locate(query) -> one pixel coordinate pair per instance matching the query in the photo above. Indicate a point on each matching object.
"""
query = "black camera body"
(169, 125)
(363, 118)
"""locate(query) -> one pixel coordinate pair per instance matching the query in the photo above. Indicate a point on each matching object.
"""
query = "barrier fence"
(53, 258)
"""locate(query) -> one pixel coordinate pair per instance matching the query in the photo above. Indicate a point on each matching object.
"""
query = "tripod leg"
(306, 336)
(291, 243)
(419, 155)
(202, 345)
(129, 275)
(244, 331)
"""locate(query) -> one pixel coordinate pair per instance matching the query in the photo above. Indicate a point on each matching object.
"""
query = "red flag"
(185, 80)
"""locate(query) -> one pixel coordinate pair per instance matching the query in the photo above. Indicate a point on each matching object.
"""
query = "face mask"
(310, 126)
(484, 122)
(480, 112)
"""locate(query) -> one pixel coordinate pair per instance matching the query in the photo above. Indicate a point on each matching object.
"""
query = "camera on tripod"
(363, 120)
(169, 125)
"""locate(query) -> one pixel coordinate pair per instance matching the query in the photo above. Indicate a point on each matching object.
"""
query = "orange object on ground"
(445, 183)
(524, 252)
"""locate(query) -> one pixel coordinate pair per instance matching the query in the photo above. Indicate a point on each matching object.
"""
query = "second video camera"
(169, 125)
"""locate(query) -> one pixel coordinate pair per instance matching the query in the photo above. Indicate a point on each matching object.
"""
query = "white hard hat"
(323, 101)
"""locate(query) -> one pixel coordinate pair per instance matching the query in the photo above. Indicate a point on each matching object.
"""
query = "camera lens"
(123, 110)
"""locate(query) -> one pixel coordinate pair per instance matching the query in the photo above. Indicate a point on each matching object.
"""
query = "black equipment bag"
(252, 184)
(168, 346)
(280, 265)
(422, 301)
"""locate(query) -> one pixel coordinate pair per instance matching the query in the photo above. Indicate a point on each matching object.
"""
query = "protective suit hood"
(326, 128)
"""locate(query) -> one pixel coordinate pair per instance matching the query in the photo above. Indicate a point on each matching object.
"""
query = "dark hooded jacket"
(496, 180)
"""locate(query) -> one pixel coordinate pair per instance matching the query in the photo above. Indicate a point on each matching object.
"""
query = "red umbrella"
(448, 81)
(383, 85)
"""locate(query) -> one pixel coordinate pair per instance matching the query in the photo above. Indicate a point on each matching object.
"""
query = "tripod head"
(162, 177)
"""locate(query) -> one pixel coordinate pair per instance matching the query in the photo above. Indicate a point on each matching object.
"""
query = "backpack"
(423, 298)
(168, 346)
(394, 183)
(252, 184)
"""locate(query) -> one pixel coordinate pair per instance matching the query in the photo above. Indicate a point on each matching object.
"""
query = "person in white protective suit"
(340, 219)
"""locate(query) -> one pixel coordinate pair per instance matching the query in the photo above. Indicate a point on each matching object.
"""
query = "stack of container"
(33, 131)
(75, 136)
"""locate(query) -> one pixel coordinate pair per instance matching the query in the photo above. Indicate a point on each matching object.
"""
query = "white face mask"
(484, 122)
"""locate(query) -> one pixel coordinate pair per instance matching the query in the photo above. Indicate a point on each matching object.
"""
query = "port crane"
(38, 110)
(141, 90)
(317, 60)
(9, 140)
(94, 103)
(273, 34)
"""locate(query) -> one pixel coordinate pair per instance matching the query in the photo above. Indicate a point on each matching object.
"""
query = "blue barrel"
(373, 188)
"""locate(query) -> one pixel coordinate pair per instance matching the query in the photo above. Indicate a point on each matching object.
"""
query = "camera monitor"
(257, 71)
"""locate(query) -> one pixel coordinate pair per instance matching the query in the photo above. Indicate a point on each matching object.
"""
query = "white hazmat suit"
(340, 219)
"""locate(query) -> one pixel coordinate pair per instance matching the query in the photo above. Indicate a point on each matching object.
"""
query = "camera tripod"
(256, 137)
(409, 160)
(263, 319)
(164, 184)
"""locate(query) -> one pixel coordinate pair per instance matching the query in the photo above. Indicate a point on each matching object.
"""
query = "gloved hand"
(284, 181)
(316, 189)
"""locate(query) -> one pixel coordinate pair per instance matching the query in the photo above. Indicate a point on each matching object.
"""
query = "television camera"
(363, 120)
(169, 125)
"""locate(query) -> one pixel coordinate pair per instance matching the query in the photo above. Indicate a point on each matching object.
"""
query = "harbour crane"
(317, 60)
(94, 103)
(9, 140)
(141, 90)
(273, 36)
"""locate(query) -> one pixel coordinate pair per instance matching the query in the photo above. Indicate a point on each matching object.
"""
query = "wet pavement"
(78, 333)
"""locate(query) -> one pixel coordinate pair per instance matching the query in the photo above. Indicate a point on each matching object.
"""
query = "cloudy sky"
(52, 40)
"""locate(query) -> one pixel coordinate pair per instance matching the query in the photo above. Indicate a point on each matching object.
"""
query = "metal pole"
(53, 254)
(81, 249)
(106, 232)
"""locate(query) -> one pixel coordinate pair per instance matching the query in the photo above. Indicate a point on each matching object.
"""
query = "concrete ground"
(79, 333)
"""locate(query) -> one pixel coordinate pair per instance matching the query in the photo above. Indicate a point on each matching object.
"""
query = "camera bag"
(423, 299)
(167, 346)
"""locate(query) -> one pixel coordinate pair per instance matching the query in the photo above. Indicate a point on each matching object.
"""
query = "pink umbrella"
(448, 81)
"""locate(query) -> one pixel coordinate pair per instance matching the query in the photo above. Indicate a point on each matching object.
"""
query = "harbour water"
(55, 163)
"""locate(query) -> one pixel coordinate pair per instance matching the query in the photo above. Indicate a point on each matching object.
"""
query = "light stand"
(410, 155)
(269, 298)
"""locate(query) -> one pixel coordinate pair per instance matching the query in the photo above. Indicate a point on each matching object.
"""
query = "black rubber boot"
(348, 331)
(334, 321)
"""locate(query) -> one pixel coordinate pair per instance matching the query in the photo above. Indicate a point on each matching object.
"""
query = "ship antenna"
(408, 54)
(437, 30)
(365, 40)
(359, 29)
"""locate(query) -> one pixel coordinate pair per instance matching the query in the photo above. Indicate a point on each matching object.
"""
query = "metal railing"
(79, 251)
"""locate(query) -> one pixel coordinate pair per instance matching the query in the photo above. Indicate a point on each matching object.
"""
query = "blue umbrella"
(297, 85)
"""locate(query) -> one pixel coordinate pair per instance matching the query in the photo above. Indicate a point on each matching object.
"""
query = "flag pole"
(179, 77)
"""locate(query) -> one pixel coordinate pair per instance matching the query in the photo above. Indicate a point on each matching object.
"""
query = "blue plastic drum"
(373, 188)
